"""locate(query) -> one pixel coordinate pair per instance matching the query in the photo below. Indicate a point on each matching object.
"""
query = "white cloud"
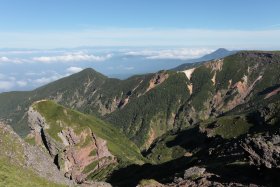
(11, 60)
(74, 69)
(4, 59)
(182, 53)
(21, 83)
(6, 85)
(73, 57)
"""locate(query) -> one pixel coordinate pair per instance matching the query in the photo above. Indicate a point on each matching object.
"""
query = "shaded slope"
(235, 150)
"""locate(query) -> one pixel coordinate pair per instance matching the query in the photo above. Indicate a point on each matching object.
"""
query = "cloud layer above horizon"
(245, 39)
(28, 69)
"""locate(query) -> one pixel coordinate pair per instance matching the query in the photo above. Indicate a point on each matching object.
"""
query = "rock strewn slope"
(25, 165)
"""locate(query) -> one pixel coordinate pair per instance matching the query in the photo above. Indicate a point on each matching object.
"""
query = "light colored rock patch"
(137, 86)
(245, 79)
(157, 80)
(229, 83)
(190, 87)
(215, 65)
(217, 99)
(63, 138)
(214, 78)
(189, 72)
(88, 84)
(244, 90)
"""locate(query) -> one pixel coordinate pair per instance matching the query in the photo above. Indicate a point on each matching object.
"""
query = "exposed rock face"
(189, 72)
(215, 65)
(43, 165)
(32, 157)
(74, 152)
(36, 121)
(157, 80)
(263, 150)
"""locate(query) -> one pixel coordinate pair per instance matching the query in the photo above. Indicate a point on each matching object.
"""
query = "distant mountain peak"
(221, 50)
(219, 53)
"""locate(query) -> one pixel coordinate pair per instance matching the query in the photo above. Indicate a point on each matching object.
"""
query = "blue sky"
(44, 40)
(53, 15)
(73, 23)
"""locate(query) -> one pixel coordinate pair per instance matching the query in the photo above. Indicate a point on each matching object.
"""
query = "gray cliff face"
(74, 152)
(38, 127)
(36, 159)
(36, 121)
(43, 164)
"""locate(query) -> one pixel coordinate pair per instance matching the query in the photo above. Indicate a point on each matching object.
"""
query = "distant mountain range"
(211, 122)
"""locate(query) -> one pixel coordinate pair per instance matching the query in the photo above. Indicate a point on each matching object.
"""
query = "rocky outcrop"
(194, 177)
(77, 155)
(263, 150)
(157, 80)
(215, 65)
(199, 177)
(38, 127)
(194, 172)
(29, 157)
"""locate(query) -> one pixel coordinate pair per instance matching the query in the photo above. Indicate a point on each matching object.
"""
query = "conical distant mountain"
(219, 53)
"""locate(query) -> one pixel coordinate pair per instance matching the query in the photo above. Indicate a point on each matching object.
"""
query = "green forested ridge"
(164, 100)
(167, 106)
(226, 111)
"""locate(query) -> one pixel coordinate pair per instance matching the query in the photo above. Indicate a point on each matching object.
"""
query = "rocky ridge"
(74, 152)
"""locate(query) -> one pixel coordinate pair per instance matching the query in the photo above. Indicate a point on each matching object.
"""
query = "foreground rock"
(29, 158)
(263, 150)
